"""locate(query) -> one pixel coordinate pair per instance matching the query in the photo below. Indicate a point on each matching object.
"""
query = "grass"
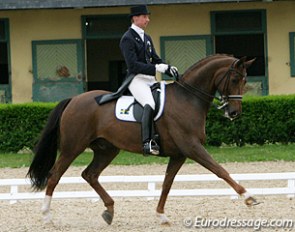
(271, 152)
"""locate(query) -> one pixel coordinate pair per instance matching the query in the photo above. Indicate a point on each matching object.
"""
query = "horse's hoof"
(166, 224)
(163, 219)
(107, 216)
(251, 201)
(47, 219)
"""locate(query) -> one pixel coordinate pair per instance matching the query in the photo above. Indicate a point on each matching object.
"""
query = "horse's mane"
(205, 60)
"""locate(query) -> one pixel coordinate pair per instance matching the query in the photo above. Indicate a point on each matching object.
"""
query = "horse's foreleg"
(102, 158)
(201, 156)
(173, 167)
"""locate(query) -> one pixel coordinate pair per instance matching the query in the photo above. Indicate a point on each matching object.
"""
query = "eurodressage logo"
(124, 111)
(256, 224)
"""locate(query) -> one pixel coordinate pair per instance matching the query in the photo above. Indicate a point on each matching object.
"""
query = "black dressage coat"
(139, 56)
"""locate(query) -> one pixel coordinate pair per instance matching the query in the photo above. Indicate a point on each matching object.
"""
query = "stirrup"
(151, 148)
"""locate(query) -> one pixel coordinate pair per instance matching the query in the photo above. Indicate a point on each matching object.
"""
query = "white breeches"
(140, 89)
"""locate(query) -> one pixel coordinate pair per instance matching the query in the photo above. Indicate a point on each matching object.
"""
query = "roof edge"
(58, 4)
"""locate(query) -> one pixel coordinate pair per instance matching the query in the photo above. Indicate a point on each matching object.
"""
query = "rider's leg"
(140, 89)
(149, 145)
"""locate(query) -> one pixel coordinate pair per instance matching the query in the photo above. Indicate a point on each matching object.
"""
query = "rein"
(223, 99)
(197, 92)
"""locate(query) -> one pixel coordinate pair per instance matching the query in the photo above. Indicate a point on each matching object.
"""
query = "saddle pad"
(124, 109)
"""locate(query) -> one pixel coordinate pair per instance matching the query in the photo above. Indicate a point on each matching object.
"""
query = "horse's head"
(222, 73)
(230, 84)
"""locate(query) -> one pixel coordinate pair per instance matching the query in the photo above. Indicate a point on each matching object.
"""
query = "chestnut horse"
(79, 122)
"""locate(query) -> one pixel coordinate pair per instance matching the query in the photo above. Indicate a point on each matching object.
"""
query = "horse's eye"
(235, 80)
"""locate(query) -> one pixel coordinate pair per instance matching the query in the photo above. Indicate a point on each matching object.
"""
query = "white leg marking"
(46, 209)
(247, 195)
(163, 218)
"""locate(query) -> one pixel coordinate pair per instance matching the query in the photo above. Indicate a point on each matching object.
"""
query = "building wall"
(281, 21)
(29, 25)
(171, 20)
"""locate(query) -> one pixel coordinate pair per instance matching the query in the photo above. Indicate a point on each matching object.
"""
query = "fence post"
(13, 190)
(291, 185)
(151, 188)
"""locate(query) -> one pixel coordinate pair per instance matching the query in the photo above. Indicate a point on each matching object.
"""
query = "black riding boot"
(150, 146)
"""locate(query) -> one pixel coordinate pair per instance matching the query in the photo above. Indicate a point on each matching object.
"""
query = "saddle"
(128, 109)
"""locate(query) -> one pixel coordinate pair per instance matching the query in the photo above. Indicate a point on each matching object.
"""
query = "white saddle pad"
(125, 104)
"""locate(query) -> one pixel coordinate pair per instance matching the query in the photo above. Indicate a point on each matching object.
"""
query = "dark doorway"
(5, 88)
(106, 68)
(104, 63)
(4, 74)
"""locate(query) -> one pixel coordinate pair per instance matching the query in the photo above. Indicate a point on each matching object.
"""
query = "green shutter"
(51, 57)
(57, 69)
(184, 51)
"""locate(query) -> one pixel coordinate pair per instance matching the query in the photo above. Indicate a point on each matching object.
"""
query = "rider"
(143, 62)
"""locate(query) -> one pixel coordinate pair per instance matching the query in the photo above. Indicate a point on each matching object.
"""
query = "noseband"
(223, 99)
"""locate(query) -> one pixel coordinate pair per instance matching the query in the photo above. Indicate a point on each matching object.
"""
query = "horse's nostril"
(234, 114)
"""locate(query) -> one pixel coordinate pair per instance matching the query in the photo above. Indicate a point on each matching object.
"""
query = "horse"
(79, 123)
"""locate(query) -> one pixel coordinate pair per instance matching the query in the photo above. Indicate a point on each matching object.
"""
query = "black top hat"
(139, 10)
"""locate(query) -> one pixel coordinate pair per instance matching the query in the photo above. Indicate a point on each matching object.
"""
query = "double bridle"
(223, 99)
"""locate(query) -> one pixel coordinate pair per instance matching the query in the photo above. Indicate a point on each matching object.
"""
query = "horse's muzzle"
(232, 112)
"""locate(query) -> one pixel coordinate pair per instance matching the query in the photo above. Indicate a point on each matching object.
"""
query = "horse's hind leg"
(55, 174)
(104, 153)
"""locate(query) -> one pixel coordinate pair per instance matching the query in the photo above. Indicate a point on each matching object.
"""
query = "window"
(292, 53)
(57, 69)
(5, 88)
(105, 26)
(55, 60)
(4, 72)
(242, 21)
(184, 51)
(243, 33)
(2, 30)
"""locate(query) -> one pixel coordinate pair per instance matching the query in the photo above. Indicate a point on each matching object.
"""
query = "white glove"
(162, 68)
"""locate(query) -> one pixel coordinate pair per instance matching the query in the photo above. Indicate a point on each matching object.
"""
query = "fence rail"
(151, 191)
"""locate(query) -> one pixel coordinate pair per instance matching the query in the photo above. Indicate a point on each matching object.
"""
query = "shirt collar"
(138, 30)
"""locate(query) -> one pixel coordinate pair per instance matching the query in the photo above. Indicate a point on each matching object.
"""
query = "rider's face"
(141, 21)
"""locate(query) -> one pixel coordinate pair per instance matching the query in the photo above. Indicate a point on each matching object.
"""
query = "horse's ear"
(241, 61)
(249, 63)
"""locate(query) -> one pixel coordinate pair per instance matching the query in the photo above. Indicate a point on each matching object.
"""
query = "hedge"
(21, 124)
(264, 120)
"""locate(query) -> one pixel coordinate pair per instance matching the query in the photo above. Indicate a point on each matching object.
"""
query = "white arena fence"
(13, 194)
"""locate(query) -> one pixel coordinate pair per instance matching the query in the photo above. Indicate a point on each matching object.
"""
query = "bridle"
(223, 98)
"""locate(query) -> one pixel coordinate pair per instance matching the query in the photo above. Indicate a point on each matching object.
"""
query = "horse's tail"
(46, 149)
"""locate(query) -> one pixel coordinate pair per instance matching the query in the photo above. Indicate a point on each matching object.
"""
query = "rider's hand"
(167, 69)
(162, 68)
(172, 71)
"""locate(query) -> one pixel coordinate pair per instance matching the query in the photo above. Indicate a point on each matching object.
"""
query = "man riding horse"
(143, 62)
